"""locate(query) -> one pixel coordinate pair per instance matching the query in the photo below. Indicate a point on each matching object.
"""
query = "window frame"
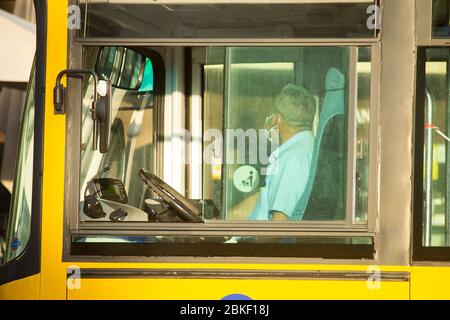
(72, 227)
(421, 253)
(306, 229)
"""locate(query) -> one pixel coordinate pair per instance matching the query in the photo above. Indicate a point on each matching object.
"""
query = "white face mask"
(272, 133)
(273, 130)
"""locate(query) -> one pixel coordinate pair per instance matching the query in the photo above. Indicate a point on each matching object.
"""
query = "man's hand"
(279, 216)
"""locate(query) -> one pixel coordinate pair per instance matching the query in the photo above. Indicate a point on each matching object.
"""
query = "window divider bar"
(374, 179)
(351, 149)
(313, 233)
(195, 113)
(447, 151)
(225, 125)
(227, 42)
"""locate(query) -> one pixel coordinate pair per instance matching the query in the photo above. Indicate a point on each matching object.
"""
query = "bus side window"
(19, 224)
(436, 196)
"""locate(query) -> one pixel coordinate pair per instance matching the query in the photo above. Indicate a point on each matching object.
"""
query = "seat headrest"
(333, 105)
(334, 80)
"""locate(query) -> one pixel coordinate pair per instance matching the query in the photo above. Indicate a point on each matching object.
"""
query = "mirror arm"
(60, 91)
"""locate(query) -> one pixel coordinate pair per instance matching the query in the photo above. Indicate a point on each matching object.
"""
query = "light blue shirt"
(287, 176)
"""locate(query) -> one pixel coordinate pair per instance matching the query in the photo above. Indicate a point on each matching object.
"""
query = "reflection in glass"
(441, 19)
(223, 239)
(222, 21)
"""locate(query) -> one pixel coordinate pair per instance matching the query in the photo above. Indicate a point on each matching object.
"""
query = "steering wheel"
(184, 209)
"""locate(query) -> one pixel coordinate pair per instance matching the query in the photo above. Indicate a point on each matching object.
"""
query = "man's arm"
(279, 216)
(244, 208)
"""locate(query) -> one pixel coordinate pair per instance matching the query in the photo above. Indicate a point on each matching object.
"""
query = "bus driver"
(289, 165)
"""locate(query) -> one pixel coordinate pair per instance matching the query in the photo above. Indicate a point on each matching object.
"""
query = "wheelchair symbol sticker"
(15, 244)
(246, 179)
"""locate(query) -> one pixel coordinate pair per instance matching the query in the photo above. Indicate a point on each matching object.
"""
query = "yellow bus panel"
(217, 289)
(24, 289)
(430, 283)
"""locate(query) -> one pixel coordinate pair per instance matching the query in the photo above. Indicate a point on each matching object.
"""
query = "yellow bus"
(152, 127)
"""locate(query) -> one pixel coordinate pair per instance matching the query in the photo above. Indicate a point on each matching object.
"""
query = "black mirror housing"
(104, 117)
(127, 74)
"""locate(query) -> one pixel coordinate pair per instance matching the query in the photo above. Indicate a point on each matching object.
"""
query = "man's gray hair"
(296, 105)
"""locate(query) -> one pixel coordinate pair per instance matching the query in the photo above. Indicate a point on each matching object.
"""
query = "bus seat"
(325, 192)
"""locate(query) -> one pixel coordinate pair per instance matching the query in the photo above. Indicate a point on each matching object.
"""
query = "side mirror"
(101, 109)
(122, 66)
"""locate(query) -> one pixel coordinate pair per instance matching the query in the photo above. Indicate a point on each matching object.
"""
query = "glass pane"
(223, 239)
(441, 18)
(19, 226)
(275, 139)
(233, 21)
(298, 97)
(223, 246)
(436, 149)
(131, 145)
